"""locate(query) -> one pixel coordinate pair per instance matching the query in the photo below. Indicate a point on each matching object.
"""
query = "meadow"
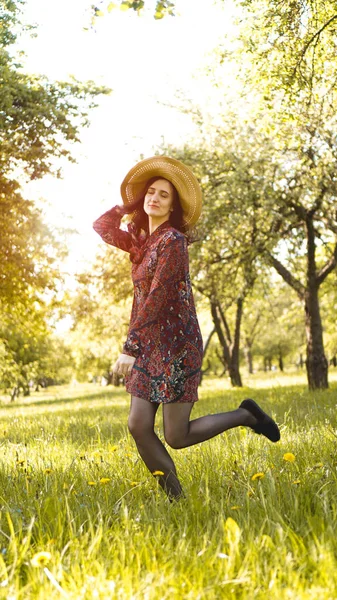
(81, 518)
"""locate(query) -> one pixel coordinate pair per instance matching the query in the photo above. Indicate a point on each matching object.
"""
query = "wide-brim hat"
(174, 171)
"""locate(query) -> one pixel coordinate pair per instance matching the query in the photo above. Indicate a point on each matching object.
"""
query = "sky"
(144, 62)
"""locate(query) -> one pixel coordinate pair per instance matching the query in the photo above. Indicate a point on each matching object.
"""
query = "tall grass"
(72, 485)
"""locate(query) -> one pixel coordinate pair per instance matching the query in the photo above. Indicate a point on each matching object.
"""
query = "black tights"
(179, 432)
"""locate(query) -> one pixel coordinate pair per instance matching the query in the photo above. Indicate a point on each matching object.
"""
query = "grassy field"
(73, 487)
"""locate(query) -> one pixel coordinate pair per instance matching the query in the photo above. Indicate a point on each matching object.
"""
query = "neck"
(155, 223)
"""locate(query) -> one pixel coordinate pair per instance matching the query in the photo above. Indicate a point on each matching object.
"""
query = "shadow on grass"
(99, 395)
(82, 425)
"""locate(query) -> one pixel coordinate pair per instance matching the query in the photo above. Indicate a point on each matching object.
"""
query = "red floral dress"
(164, 334)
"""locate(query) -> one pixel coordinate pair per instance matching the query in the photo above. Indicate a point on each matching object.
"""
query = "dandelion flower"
(92, 483)
(257, 476)
(41, 559)
(296, 482)
(134, 483)
(97, 454)
(105, 480)
(289, 457)
(158, 473)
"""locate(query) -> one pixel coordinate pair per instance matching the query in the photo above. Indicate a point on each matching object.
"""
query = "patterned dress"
(164, 334)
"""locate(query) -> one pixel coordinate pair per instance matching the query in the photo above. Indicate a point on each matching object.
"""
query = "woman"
(162, 355)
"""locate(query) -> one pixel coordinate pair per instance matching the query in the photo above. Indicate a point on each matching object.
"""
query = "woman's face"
(158, 200)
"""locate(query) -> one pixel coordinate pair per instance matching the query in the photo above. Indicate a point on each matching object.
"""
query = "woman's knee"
(177, 424)
(139, 428)
(141, 418)
(174, 439)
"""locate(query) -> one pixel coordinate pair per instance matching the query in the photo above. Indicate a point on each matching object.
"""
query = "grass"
(73, 485)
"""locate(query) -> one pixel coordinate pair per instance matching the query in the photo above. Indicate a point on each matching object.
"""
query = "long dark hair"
(141, 219)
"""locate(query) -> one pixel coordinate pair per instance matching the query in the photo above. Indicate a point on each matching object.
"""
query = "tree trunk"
(249, 356)
(280, 360)
(230, 352)
(234, 371)
(316, 362)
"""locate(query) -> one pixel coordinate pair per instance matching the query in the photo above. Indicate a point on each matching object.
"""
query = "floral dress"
(164, 334)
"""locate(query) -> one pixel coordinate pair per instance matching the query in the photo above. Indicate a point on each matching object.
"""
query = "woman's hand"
(123, 364)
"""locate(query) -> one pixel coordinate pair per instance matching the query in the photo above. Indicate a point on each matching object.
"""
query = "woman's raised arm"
(108, 227)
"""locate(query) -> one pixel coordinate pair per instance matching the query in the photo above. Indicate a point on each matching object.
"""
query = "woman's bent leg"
(180, 432)
(153, 452)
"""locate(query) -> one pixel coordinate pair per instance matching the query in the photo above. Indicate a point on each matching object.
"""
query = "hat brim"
(174, 171)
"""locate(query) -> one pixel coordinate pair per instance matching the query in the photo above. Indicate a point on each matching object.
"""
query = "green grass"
(231, 537)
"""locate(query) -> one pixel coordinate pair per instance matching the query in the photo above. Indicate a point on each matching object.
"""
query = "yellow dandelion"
(257, 476)
(158, 473)
(113, 448)
(48, 471)
(134, 483)
(289, 457)
(92, 483)
(296, 482)
(236, 507)
(41, 559)
(97, 454)
(104, 480)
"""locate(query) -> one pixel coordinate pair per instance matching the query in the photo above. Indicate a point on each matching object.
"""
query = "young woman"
(162, 355)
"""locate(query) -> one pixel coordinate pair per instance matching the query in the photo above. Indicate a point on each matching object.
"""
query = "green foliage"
(162, 8)
(101, 311)
(292, 45)
(273, 327)
(39, 120)
(231, 537)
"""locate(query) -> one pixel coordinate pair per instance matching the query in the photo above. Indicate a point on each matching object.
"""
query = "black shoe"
(265, 425)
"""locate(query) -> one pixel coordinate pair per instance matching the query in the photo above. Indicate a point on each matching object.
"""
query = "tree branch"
(287, 276)
(225, 324)
(306, 46)
(208, 341)
(328, 267)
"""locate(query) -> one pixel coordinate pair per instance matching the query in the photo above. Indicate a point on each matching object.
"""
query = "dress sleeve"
(167, 283)
(108, 227)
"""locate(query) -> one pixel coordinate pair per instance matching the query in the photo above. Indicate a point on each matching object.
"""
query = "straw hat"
(174, 171)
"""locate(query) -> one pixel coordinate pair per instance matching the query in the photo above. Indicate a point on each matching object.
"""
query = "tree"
(38, 118)
(38, 122)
